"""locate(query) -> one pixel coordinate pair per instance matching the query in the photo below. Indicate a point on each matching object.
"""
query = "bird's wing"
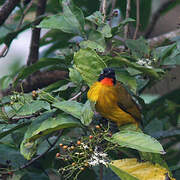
(126, 103)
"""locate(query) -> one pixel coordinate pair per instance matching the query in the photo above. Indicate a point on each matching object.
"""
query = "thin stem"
(35, 38)
(137, 19)
(128, 9)
(101, 172)
(38, 157)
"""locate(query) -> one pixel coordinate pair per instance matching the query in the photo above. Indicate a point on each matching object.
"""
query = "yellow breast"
(106, 98)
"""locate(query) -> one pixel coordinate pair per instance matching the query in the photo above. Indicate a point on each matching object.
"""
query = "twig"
(76, 96)
(4, 51)
(101, 172)
(6, 9)
(160, 39)
(38, 157)
(24, 13)
(112, 9)
(156, 16)
(35, 38)
(128, 8)
(103, 9)
(137, 19)
(37, 81)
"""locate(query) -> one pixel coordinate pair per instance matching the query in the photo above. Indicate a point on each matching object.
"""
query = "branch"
(156, 16)
(128, 8)
(24, 13)
(34, 48)
(160, 39)
(6, 9)
(137, 19)
(38, 157)
(37, 81)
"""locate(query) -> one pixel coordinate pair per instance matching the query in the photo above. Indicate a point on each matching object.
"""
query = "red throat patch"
(107, 81)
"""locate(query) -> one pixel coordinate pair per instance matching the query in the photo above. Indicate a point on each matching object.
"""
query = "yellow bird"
(112, 100)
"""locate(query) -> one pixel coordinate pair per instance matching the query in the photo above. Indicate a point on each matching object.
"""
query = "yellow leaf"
(140, 170)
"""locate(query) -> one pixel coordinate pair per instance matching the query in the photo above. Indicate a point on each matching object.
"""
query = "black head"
(107, 73)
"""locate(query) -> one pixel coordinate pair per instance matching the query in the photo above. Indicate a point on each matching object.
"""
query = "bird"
(113, 101)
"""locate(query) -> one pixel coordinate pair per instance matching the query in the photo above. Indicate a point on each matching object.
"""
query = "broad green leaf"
(131, 169)
(89, 64)
(149, 71)
(163, 53)
(96, 18)
(75, 76)
(122, 174)
(50, 125)
(128, 80)
(105, 30)
(71, 21)
(28, 149)
(137, 140)
(86, 114)
(92, 45)
(11, 154)
(7, 129)
(139, 47)
(97, 37)
(71, 107)
(30, 108)
(43, 62)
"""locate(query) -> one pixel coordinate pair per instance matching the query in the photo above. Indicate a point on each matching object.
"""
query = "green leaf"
(139, 47)
(105, 30)
(71, 107)
(89, 64)
(71, 21)
(50, 125)
(137, 140)
(92, 45)
(96, 18)
(122, 174)
(86, 114)
(43, 62)
(164, 51)
(11, 154)
(30, 108)
(124, 77)
(7, 129)
(75, 76)
(149, 71)
(28, 149)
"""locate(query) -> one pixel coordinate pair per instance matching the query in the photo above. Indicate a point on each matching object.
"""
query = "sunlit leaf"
(131, 169)
(86, 114)
(137, 140)
(71, 107)
(75, 76)
(89, 64)
(30, 108)
(96, 18)
(139, 47)
(71, 21)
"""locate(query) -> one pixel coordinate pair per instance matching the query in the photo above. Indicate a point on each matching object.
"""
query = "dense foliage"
(52, 131)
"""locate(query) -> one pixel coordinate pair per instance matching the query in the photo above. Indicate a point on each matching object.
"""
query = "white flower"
(145, 62)
(98, 158)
